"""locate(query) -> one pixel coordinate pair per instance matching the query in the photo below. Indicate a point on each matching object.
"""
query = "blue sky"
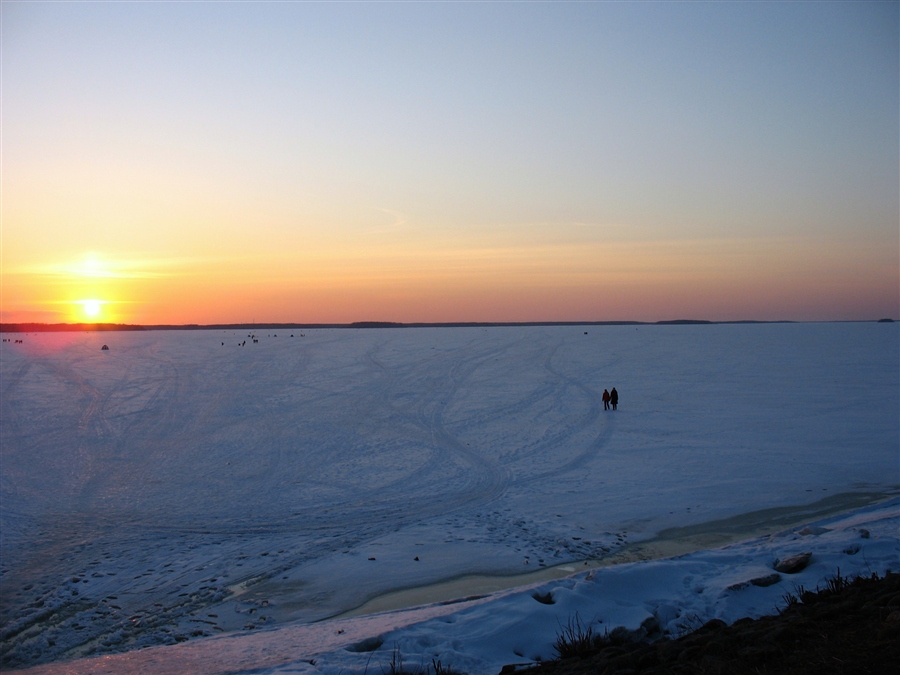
(456, 161)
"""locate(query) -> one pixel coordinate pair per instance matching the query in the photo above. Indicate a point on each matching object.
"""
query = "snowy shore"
(177, 488)
(520, 625)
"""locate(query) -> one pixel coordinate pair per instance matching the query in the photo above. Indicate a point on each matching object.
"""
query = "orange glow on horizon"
(762, 279)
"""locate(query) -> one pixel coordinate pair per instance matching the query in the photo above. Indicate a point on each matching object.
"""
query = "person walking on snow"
(614, 399)
(605, 400)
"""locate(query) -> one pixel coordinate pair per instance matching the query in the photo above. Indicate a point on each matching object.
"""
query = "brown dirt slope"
(851, 627)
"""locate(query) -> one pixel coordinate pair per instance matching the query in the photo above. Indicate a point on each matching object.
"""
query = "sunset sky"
(334, 162)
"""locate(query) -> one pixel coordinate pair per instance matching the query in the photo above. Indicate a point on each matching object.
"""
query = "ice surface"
(174, 487)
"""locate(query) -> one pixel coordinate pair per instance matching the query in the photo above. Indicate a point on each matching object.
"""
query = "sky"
(232, 162)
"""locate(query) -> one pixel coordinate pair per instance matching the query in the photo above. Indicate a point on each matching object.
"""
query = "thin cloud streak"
(93, 268)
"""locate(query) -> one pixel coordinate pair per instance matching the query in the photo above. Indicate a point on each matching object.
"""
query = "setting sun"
(92, 308)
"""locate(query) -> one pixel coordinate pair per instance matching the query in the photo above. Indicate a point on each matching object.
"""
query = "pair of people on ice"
(610, 398)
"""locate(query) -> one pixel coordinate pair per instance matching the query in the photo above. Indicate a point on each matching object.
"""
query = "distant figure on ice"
(605, 400)
(614, 399)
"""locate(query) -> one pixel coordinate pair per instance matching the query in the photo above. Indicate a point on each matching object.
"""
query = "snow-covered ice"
(174, 488)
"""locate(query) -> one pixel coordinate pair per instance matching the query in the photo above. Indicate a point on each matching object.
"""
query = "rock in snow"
(793, 564)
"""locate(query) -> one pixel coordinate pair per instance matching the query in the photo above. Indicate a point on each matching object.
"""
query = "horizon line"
(40, 327)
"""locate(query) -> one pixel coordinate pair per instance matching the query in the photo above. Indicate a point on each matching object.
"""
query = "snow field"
(174, 488)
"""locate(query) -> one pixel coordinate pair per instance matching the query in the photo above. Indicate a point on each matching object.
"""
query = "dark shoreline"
(850, 626)
(87, 327)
